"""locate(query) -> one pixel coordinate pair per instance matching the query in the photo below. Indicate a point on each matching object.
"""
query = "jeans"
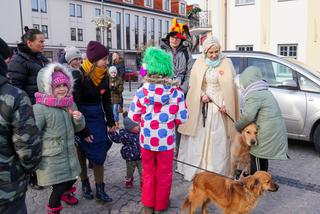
(116, 112)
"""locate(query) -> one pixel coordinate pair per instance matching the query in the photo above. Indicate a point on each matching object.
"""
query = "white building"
(282, 27)
(136, 23)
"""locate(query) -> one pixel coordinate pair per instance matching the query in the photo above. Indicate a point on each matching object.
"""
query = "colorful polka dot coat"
(159, 109)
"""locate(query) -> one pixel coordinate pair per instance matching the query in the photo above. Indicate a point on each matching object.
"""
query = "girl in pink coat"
(159, 106)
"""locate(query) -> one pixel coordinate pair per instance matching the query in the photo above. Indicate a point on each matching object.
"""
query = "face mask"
(214, 63)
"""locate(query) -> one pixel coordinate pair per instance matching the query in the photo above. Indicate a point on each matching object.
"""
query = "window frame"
(72, 6)
(136, 31)
(45, 33)
(80, 34)
(75, 34)
(37, 5)
(242, 3)
(152, 30)
(95, 12)
(45, 6)
(147, 5)
(144, 30)
(127, 27)
(160, 30)
(118, 29)
(288, 46)
(244, 47)
(182, 11)
(164, 5)
(36, 26)
(79, 6)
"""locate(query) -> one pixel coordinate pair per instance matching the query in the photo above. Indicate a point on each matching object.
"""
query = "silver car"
(296, 88)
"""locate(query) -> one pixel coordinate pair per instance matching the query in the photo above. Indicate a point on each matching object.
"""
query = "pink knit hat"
(59, 77)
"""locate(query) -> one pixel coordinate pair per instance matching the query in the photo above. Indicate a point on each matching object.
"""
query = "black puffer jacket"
(20, 150)
(24, 68)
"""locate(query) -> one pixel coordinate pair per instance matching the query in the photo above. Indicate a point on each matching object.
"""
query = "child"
(116, 88)
(130, 151)
(159, 106)
(262, 108)
(58, 119)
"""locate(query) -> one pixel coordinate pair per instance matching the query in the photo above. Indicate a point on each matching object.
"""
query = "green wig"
(158, 62)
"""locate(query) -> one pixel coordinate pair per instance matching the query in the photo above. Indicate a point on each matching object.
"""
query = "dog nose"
(253, 142)
(274, 187)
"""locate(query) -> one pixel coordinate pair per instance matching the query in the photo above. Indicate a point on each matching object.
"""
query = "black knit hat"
(96, 51)
(4, 49)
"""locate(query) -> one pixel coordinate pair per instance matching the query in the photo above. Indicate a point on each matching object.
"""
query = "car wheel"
(316, 138)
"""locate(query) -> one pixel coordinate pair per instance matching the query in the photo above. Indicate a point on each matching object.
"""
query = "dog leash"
(219, 107)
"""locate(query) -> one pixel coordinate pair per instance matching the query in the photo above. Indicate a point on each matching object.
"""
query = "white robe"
(209, 148)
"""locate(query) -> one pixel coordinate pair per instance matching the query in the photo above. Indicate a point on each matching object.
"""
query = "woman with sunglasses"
(212, 100)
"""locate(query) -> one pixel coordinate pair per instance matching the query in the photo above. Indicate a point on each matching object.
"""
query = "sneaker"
(69, 198)
(129, 183)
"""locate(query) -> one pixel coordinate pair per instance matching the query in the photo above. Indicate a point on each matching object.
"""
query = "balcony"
(200, 23)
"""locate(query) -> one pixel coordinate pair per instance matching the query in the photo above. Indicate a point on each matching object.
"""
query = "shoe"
(69, 198)
(129, 183)
(147, 210)
(86, 190)
(101, 195)
(55, 210)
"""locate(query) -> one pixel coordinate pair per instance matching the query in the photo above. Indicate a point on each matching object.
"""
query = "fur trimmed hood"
(157, 79)
(44, 78)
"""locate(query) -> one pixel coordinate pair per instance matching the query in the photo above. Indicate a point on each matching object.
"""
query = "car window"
(273, 72)
(236, 63)
(308, 85)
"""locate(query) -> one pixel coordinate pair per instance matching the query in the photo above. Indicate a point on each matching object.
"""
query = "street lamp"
(103, 22)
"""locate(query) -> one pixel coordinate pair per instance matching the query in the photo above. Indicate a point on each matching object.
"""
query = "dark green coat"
(116, 88)
(261, 107)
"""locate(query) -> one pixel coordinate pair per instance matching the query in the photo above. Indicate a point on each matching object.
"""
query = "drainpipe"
(21, 19)
(225, 24)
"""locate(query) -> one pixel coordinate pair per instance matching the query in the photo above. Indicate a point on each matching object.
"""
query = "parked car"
(131, 75)
(296, 88)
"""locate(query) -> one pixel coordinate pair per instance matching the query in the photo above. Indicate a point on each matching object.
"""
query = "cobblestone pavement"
(299, 180)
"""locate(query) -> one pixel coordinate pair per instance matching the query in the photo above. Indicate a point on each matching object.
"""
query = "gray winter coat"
(182, 67)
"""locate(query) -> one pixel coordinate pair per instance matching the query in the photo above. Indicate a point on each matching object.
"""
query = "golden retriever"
(233, 196)
(240, 148)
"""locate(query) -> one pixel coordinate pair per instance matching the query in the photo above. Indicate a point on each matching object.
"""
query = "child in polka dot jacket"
(158, 106)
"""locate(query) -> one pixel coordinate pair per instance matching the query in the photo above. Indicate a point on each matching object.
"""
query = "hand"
(112, 129)
(89, 139)
(76, 115)
(223, 109)
(205, 99)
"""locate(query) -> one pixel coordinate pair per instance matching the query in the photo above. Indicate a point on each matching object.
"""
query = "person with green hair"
(158, 106)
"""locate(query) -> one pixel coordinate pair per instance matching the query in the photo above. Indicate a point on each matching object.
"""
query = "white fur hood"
(44, 77)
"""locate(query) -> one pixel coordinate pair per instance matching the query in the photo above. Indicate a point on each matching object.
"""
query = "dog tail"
(186, 204)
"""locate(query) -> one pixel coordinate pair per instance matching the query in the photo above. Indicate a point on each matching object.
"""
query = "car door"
(291, 100)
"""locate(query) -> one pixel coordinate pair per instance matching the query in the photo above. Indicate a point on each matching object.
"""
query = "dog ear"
(254, 183)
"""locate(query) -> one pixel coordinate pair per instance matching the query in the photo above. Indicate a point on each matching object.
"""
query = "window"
(160, 30)
(80, 34)
(167, 5)
(72, 11)
(148, 3)
(43, 6)
(152, 30)
(236, 63)
(98, 34)
(136, 31)
(289, 50)
(284, 0)
(128, 31)
(98, 12)
(109, 34)
(244, 47)
(273, 72)
(144, 25)
(73, 34)
(108, 13)
(79, 10)
(244, 2)
(307, 85)
(182, 9)
(45, 31)
(36, 26)
(167, 27)
(34, 5)
(118, 29)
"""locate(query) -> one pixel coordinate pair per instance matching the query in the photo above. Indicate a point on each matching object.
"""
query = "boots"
(129, 183)
(86, 190)
(55, 210)
(69, 198)
(101, 194)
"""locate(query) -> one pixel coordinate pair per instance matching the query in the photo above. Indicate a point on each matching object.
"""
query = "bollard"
(130, 84)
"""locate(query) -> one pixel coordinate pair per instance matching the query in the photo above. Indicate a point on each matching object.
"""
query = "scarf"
(255, 86)
(96, 75)
(214, 63)
(50, 101)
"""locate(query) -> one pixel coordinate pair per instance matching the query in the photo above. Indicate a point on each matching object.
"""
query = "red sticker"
(221, 72)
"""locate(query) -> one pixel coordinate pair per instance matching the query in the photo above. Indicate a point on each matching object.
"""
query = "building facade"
(135, 24)
(282, 27)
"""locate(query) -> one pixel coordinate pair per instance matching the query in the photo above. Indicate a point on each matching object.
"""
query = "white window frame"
(73, 30)
(183, 11)
(146, 3)
(72, 6)
(80, 34)
(287, 51)
(79, 6)
(244, 2)
(45, 33)
(36, 4)
(244, 47)
(43, 3)
(169, 5)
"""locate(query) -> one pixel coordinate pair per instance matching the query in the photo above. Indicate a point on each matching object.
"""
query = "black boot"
(86, 190)
(101, 194)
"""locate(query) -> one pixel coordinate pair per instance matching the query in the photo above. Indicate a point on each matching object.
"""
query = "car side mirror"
(289, 84)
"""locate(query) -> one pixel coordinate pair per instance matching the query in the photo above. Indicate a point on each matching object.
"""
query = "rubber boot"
(86, 190)
(101, 195)
(69, 198)
(55, 210)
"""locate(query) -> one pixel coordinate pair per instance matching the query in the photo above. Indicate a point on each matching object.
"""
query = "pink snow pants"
(157, 178)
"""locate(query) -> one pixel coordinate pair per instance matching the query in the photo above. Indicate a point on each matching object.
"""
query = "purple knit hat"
(96, 51)
(59, 77)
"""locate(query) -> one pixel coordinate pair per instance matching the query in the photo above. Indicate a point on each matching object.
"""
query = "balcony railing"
(201, 20)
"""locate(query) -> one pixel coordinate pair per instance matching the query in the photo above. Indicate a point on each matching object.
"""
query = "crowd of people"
(58, 118)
